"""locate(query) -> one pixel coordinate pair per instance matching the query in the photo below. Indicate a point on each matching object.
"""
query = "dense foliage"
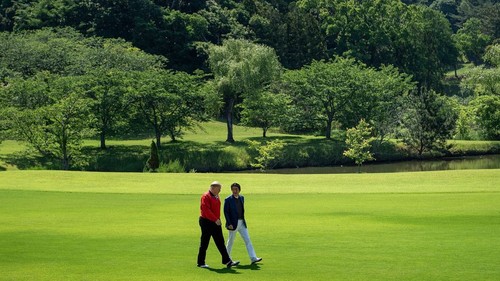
(71, 69)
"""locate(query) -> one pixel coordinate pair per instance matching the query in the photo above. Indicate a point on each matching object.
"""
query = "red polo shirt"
(210, 206)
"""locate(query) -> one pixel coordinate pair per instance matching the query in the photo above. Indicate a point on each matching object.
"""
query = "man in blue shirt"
(234, 211)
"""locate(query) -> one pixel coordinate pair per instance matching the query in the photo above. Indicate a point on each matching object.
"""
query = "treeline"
(375, 32)
(304, 66)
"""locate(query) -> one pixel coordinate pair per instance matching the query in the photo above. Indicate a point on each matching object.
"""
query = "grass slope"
(125, 226)
(204, 150)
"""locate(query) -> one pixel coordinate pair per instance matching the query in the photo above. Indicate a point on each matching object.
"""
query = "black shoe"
(256, 260)
(232, 263)
(203, 265)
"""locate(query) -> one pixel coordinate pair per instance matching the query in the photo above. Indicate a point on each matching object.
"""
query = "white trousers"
(244, 234)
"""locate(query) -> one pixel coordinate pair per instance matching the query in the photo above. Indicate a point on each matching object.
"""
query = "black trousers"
(211, 229)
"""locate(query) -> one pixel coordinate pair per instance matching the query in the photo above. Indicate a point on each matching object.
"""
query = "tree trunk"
(264, 131)
(229, 116)
(103, 140)
(65, 158)
(172, 135)
(158, 137)
(328, 133)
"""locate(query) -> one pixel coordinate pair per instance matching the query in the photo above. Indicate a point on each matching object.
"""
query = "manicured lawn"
(126, 226)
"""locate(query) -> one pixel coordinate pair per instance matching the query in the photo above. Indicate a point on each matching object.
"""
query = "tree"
(51, 114)
(64, 51)
(137, 21)
(304, 40)
(224, 22)
(377, 99)
(168, 101)
(153, 162)
(24, 54)
(425, 47)
(471, 41)
(486, 11)
(240, 70)
(415, 39)
(428, 121)
(487, 110)
(8, 10)
(108, 89)
(343, 91)
(466, 122)
(358, 143)
(322, 90)
(492, 55)
(264, 110)
(450, 9)
(484, 83)
(486, 80)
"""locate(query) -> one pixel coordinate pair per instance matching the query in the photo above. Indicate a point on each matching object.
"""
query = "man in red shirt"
(211, 226)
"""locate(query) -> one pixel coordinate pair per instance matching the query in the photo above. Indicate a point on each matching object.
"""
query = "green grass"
(126, 226)
(464, 69)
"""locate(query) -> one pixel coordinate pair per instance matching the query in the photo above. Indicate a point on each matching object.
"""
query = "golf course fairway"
(442, 225)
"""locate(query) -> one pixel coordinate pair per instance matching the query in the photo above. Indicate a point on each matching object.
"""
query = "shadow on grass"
(249, 266)
(223, 270)
(25, 160)
(233, 270)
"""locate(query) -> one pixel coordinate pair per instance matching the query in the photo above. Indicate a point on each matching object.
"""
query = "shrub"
(171, 167)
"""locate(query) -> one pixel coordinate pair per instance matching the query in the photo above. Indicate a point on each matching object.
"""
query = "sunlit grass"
(464, 69)
(127, 226)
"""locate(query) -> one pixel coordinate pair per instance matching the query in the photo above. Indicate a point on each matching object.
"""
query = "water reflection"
(456, 163)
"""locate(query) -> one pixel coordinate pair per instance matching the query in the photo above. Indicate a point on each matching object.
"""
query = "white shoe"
(203, 265)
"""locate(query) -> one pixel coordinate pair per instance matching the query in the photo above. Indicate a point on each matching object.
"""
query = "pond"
(450, 163)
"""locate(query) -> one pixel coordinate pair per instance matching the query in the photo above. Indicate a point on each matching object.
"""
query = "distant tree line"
(375, 32)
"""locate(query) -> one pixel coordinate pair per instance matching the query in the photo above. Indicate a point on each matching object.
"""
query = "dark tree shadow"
(25, 160)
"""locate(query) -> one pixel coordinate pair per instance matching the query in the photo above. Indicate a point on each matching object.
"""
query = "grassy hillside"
(205, 150)
(135, 226)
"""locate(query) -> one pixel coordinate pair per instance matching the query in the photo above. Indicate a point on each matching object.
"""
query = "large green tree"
(471, 41)
(241, 69)
(169, 102)
(109, 89)
(416, 39)
(51, 114)
(428, 121)
(265, 110)
(67, 52)
(342, 92)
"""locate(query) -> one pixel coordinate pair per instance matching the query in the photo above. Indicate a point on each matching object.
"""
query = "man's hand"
(230, 227)
(217, 222)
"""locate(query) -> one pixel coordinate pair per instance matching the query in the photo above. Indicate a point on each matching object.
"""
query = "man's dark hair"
(237, 185)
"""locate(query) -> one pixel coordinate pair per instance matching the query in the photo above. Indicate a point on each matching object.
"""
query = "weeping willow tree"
(241, 69)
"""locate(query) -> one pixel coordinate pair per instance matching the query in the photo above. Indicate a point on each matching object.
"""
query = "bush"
(171, 167)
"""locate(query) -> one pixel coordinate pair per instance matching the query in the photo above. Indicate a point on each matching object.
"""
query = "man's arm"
(227, 213)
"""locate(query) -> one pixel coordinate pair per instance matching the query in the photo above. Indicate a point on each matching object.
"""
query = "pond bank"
(445, 163)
